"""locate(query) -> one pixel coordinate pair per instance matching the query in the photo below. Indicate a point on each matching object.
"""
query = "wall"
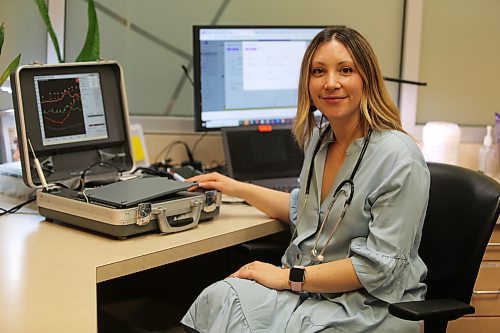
(210, 150)
(460, 61)
(31, 41)
(152, 39)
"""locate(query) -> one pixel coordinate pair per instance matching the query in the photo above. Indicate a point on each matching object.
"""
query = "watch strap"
(296, 286)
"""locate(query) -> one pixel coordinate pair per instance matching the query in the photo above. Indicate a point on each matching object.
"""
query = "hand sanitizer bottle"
(488, 159)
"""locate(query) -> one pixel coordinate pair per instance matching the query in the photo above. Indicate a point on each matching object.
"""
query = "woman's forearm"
(331, 277)
(275, 204)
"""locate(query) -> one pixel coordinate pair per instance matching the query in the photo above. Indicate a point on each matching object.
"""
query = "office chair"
(462, 211)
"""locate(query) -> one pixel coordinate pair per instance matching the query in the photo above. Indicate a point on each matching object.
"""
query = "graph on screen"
(70, 108)
(62, 109)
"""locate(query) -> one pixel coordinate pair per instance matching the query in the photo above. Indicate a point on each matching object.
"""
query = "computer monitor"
(247, 75)
(71, 116)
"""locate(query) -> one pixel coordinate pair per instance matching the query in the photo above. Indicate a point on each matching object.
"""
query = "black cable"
(173, 144)
(197, 142)
(82, 177)
(16, 208)
(186, 72)
(153, 172)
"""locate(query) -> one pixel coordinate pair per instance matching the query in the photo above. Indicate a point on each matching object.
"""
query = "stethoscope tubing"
(319, 256)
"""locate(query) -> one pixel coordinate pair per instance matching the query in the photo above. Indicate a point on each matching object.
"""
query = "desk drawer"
(486, 295)
(474, 325)
(493, 248)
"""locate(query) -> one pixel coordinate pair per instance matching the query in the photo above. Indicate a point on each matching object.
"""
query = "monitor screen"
(70, 108)
(247, 75)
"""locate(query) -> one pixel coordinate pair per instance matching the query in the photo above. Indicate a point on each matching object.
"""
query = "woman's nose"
(332, 81)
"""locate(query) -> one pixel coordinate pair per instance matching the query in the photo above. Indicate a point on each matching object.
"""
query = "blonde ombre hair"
(377, 108)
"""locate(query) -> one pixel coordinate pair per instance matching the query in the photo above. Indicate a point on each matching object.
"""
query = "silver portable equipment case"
(73, 130)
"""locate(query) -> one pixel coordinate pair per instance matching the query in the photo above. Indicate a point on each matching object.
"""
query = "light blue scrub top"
(382, 227)
(380, 232)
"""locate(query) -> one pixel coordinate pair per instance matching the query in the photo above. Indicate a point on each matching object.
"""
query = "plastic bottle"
(441, 141)
(488, 160)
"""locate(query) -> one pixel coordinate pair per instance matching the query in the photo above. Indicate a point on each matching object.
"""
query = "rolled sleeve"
(382, 276)
(294, 207)
(386, 261)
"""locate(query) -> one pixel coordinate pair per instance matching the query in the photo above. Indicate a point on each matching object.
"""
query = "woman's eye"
(346, 70)
(317, 71)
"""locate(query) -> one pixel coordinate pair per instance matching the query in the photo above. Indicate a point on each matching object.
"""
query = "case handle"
(169, 224)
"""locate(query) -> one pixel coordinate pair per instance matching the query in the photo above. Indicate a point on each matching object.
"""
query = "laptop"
(129, 193)
(264, 155)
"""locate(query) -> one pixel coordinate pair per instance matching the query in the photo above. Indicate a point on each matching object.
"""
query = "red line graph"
(61, 107)
(75, 98)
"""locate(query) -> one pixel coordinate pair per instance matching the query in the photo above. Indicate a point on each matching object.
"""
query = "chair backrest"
(462, 212)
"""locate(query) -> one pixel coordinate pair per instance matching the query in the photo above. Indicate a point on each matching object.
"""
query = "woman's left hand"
(266, 274)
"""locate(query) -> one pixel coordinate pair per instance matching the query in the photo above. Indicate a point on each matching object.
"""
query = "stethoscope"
(347, 182)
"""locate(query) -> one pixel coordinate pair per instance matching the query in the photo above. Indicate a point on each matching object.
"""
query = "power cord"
(154, 172)
(14, 209)
(197, 142)
(189, 152)
(82, 177)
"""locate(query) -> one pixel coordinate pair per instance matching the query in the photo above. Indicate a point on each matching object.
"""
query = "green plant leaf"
(2, 33)
(42, 6)
(90, 50)
(14, 63)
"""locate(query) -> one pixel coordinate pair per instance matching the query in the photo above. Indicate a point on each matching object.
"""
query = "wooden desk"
(49, 272)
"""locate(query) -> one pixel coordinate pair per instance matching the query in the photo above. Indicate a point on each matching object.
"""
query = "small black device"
(297, 277)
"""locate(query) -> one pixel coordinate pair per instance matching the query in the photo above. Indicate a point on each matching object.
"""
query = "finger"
(193, 188)
(247, 274)
(212, 185)
(201, 178)
(238, 272)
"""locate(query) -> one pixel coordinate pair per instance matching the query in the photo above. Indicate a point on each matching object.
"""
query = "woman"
(356, 221)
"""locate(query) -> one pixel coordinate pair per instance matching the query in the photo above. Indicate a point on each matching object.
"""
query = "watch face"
(297, 274)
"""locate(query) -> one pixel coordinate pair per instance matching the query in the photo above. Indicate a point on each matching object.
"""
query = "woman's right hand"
(273, 203)
(216, 181)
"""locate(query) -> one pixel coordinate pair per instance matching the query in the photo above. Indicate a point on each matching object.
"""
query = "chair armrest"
(260, 248)
(445, 309)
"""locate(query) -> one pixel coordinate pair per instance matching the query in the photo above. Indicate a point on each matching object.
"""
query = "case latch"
(210, 201)
(144, 211)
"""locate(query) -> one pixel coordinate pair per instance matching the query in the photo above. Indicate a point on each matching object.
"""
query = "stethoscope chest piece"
(318, 257)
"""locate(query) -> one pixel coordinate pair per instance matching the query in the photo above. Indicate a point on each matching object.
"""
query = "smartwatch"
(297, 277)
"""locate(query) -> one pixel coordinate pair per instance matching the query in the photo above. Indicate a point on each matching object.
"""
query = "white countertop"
(49, 272)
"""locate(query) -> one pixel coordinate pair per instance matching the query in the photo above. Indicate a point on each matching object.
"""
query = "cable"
(167, 147)
(185, 70)
(188, 151)
(153, 172)
(170, 146)
(82, 177)
(16, 208)
(197, 142)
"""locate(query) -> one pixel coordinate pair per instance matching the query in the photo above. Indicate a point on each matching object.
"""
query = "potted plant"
(90, 50)
(13, 64)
